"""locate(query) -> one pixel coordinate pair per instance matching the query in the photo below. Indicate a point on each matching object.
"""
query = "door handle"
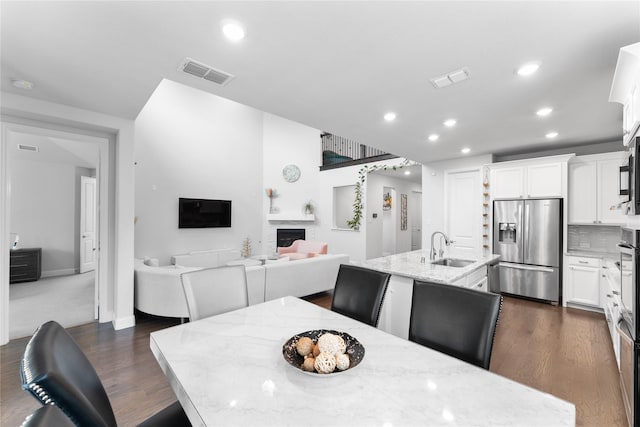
(526, 267)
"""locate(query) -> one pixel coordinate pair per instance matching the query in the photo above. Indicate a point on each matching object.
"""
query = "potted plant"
(308, 208)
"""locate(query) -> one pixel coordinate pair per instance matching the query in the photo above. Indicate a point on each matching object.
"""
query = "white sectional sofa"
(158, 290)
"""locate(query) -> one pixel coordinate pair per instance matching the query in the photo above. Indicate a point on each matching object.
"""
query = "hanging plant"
(358, 206)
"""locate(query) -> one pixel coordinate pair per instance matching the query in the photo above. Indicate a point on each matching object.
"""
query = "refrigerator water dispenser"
(507, 232)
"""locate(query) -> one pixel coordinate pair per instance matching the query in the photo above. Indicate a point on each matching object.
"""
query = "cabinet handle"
(616, 292)
(583, 262)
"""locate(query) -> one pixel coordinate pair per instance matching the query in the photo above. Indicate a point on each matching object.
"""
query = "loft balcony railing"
(339, 152)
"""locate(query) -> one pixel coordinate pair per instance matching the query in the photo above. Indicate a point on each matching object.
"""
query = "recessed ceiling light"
(544, 111)
(407, 172)
(433, 137)
(390, 116)
(22, 84)
(465, 150)
(551, 135)
(449, 123)
(233, 31)
(528, 69)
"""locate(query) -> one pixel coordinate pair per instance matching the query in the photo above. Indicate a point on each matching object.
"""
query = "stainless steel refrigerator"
(528, 236)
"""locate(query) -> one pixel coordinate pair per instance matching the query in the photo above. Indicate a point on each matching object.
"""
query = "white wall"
(45, 211)
(287, 142)
(190, 143)
(433, 209)
(375, 226)
(352, 242)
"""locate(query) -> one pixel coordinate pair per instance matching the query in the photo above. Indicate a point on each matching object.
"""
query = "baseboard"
(124, 322)
(61, 272)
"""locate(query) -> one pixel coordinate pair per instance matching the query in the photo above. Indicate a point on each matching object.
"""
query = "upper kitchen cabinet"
(594, 189)
(527, 179)
(625, 90)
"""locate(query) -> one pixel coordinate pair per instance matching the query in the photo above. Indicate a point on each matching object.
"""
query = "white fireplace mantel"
(290, 217)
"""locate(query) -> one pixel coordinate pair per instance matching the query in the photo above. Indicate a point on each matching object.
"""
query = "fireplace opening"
(286, 236)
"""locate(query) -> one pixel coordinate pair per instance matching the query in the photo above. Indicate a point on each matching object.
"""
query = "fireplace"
(286, 236)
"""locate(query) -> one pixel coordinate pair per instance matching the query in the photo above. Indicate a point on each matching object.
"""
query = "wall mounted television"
(203, 213)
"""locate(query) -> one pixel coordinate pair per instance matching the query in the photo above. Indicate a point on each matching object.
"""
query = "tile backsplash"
(593, 238)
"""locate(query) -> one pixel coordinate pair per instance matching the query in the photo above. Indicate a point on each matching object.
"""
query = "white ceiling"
(53, 150)
(339, 66)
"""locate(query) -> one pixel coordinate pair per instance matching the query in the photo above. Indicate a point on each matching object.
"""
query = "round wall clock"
(291, 173)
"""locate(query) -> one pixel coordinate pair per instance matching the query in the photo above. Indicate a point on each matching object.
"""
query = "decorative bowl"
(355, 350)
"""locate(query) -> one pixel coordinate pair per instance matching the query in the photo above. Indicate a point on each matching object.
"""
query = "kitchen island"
(409, 266)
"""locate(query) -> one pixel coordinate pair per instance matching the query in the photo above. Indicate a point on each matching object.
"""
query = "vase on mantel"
(271, 193)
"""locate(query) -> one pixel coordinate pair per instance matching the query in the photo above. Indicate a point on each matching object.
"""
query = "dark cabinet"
(24, 265)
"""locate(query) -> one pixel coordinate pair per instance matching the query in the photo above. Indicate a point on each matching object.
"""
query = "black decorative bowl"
(355, 350)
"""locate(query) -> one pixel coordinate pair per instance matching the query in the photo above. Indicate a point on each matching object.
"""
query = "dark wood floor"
(565, 352)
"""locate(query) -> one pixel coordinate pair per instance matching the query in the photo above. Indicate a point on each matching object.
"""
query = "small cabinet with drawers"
(582, 285)
(25, 265)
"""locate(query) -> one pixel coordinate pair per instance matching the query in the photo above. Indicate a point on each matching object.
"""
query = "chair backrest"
(56, 371)
(457, 321)
(48, 416)
(359, 293)
(214, 291)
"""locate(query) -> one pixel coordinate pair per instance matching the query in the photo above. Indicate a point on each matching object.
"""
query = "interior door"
(415, 219)
(463, 213)
(87, 224)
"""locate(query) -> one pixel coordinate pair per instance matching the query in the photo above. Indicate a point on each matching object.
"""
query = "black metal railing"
(338, 151)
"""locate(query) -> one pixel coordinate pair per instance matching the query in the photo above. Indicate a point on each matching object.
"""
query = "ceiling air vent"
(451, 78)
(206, 72)
(27, 147)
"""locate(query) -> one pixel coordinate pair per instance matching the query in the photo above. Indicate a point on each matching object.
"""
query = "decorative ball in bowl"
(323, 351)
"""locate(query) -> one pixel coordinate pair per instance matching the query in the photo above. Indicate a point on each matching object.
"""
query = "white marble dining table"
(229, 370)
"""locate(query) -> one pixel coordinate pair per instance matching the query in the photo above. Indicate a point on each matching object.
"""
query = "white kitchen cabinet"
(507, 183)
(526, 181)
(544, 180)
(583, 203)
(610, 300)
(582, 285)
(609, 191)
(625, 89)
(594, 187)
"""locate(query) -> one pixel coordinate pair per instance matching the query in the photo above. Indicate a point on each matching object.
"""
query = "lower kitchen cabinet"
(582, 284)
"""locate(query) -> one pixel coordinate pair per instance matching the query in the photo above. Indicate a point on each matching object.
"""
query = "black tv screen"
(204, 213)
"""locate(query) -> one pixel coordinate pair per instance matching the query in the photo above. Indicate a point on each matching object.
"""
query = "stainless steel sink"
(453, 262)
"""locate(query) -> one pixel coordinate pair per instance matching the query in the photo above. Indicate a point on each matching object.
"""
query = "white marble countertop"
(229, 370)
(409, 264)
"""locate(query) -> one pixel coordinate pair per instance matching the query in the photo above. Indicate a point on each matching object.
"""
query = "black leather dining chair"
(55, 371)
(456, 321)
(47, 416)
(359, 293)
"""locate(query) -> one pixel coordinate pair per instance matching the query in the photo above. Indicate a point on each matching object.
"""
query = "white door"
(463, 213)
(415, 219)
(87, 224)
